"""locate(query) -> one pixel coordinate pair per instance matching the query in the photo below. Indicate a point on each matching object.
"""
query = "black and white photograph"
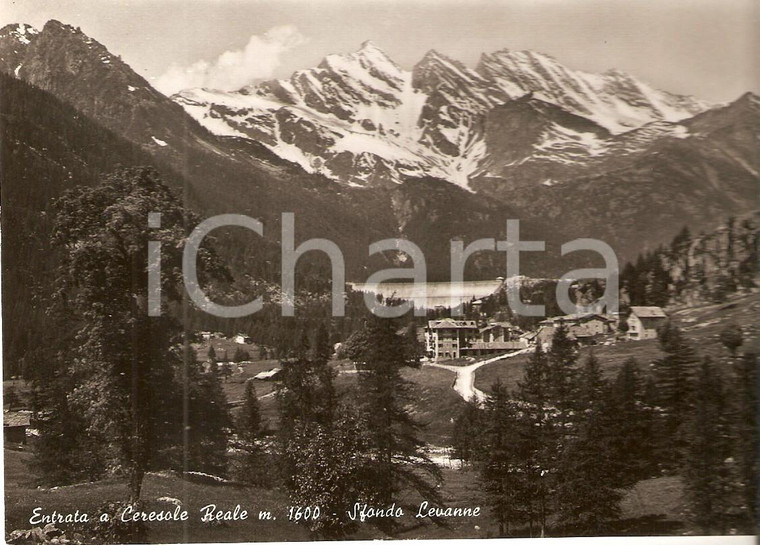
(330, 270)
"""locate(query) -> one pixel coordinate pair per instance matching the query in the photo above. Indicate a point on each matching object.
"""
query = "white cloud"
(234, 69)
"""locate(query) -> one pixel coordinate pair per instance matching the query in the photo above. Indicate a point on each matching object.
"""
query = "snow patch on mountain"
(24, 32)
(564, 139)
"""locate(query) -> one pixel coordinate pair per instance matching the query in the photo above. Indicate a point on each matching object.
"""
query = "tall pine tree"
(538, 422)
(400, 461)
(588, 494)
(501, 461)
(708, 462)
(746, 437)
(674, 376)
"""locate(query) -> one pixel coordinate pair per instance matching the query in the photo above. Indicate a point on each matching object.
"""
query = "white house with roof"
(643, 322)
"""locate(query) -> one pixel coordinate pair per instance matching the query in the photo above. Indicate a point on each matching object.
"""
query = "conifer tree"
(322, 350)
(538, 419)
(466, 434)
(11, 398)
(307, 400)
(631, 419)
(708, 462)
(249, 421)
(746, 437)
(588, 492)
(208, 422)
(501, 461)
(591, 386)
(302, 344)
(66, 453)
(305, 393)
(400, 461)
(674, 377)
(414, 347)
(562, 372)
(240, 355)
(588, 477)
(253, 466)
(658, 280)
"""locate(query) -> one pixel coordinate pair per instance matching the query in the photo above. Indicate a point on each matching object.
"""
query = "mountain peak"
(368, 64)
(520, 56)
(436, 61)
(54, 25)
(614, 73)
(374, 54)
(433, 54)
(369, 45)
(749, 98)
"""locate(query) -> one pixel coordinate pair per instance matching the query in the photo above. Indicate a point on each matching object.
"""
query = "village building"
(499, 332)
(242, 338)
(643, 322)
(453, 339)
(529, 338)
(581, 328)
(445, 338)
(15, 425)
(271, 374)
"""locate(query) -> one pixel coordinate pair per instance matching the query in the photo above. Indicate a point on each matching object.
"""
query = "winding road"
(464, 384)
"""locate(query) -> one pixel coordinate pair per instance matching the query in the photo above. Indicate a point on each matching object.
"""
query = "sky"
(707, 48)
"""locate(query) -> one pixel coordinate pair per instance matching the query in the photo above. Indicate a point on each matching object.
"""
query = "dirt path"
(464, 384)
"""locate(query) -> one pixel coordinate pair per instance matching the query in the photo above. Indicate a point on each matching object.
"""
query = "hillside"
(46, 147)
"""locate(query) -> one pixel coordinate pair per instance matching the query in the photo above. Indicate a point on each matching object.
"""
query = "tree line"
(557, 453)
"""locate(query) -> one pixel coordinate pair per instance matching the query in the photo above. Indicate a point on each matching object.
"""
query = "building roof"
(577, 318)
(448, 323)
(503, 325)
(12, 419)
(648, 312)
(268, 374)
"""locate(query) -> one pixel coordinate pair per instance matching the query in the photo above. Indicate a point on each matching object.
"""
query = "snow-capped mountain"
(614, 99)
(569, 154)
(361, 119)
